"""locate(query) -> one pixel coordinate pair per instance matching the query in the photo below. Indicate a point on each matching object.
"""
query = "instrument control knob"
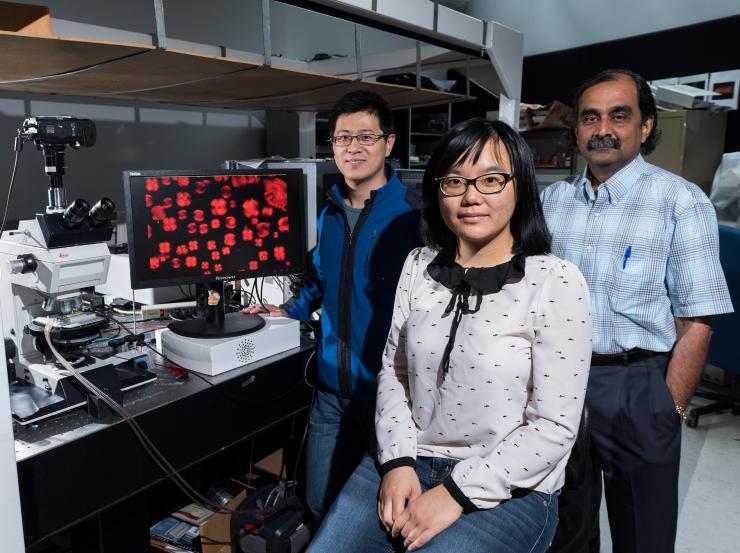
(24, 263)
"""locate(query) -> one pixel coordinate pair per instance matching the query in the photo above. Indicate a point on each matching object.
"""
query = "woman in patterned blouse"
(484, 371)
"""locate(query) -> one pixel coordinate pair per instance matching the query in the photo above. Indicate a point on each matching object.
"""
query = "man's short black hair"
(464, 141)
(362, 101)
(645, 100)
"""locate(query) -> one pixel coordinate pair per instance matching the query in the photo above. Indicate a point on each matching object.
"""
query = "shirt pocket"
(639, 282)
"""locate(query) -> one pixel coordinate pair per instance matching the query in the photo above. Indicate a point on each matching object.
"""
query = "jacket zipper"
(344, 338)
(369, 251)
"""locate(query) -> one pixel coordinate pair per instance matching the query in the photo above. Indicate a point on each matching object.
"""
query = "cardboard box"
(273, 464)
(214, 533)
(25, 19)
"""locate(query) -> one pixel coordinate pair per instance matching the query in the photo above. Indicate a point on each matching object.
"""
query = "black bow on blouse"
(467, 282)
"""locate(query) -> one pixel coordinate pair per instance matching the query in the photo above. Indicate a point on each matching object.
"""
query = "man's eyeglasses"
(362, 139)
(488, 183)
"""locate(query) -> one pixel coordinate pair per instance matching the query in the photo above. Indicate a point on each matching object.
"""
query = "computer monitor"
(321, 174)
(211, 226)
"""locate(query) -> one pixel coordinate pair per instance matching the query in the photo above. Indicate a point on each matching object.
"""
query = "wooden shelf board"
(27, 57)
(138, 72)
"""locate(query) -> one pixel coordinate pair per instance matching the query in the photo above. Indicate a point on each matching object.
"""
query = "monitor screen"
(201, 226)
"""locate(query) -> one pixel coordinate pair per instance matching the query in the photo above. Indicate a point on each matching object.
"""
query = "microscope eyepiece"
(75, 213)
(102, 212)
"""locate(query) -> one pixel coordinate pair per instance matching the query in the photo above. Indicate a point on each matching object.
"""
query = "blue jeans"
(340, 433)
(524, 524)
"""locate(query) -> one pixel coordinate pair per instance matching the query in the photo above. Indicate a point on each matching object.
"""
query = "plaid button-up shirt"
(647, 245)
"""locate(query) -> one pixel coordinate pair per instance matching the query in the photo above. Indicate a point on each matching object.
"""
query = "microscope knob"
(25, 263)
(10, 349)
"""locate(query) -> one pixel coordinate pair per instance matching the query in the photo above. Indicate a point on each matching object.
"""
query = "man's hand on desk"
(273, 310)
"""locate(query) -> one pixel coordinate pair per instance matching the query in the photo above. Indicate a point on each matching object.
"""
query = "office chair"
(723, 349)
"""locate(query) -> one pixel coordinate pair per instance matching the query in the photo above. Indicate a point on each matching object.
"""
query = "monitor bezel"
(138, 283)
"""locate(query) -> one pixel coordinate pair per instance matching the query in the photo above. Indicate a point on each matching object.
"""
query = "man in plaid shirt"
(646, 242)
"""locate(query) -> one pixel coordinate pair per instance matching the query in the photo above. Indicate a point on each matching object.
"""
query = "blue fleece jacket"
(354, 280)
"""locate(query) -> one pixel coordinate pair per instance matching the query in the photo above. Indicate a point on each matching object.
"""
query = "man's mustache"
(606, 142)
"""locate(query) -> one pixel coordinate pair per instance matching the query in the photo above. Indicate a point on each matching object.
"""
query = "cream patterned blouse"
(507, 399)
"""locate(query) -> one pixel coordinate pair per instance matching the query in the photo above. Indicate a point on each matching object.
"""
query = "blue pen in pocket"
(627, 255)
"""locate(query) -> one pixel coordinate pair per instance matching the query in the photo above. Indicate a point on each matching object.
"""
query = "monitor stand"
(219, 343)
(216, 323)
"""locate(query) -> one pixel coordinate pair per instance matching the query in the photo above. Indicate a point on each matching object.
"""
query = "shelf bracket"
(160, 37)
(266, 38)
(418, 64)
(358, 51)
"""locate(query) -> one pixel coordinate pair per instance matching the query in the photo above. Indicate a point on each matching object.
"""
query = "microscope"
(44, 266)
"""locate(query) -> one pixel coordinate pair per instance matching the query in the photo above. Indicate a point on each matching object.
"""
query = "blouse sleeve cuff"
(457, 494)
(388, 466)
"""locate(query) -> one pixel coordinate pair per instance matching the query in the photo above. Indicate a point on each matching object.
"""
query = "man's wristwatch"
(681, 410)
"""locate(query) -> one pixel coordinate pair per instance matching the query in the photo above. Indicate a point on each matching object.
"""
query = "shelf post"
(358, 51)
(161, 36)
(266, 38)
(418, 64)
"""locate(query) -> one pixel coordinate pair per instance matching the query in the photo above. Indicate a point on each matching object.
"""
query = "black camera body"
(64, 130)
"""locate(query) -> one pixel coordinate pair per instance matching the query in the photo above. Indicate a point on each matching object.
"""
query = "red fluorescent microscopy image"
(263, 229)
(219, 224)
(251, 208)
(183, 199)
(158, 213)
(276, 193)
(219, 206)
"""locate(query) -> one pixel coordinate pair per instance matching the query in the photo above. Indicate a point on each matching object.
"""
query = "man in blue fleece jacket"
(365, 232)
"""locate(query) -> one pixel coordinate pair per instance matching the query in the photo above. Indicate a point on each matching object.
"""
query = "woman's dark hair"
(362, 101)
(466, 141)
(645, 100)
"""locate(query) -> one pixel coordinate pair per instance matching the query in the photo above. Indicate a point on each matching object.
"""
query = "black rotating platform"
(233, 324)
(216, 323)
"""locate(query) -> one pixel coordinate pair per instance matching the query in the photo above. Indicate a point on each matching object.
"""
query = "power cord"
(149, 447)
(171, 472)
(18, 146)
(235, 399)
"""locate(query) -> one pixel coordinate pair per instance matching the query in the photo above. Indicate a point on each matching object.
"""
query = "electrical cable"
(74, 72)
(149, 447)
(238, 400)
(303, 438)
(156, 455)
(12, 180)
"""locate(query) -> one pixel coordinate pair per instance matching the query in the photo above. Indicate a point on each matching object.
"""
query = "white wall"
(551, 25)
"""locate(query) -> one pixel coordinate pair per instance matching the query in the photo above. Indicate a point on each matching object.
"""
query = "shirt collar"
(617, 185)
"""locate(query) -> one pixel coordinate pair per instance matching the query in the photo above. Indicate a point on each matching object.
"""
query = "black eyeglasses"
(362, 139)
(488, 183)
